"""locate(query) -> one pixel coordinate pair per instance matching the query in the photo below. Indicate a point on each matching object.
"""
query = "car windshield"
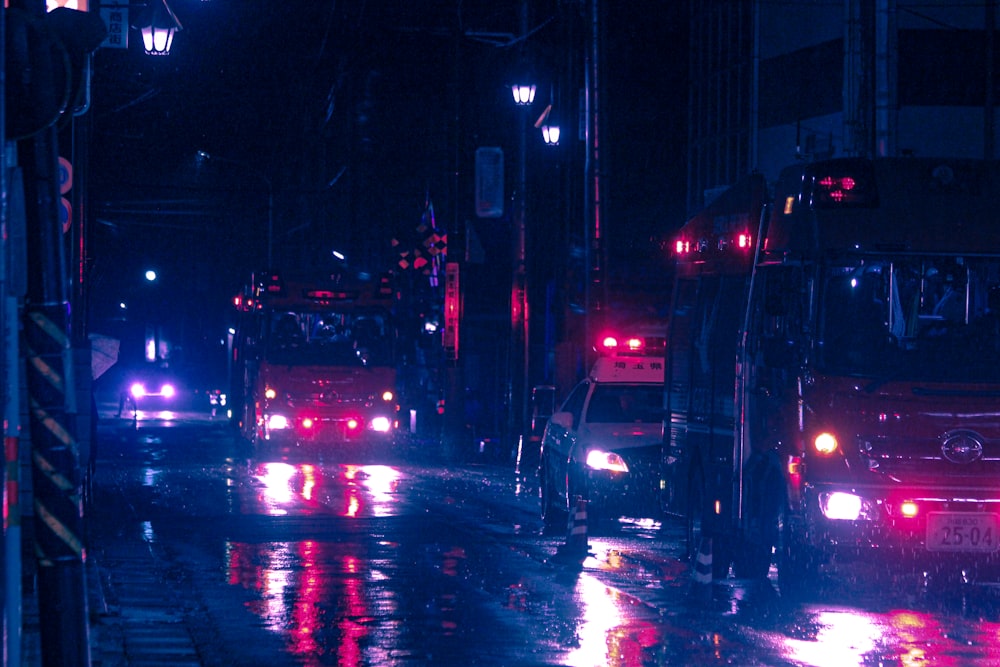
(625, 403)
(329, 339)
(921, 318)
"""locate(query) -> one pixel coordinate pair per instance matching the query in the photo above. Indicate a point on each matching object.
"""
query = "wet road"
(312, 559)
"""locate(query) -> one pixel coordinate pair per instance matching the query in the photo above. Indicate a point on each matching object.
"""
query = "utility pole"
(596, 286)
(53, 401)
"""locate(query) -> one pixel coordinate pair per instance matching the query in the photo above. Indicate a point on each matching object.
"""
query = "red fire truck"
(833, 370)
(314, 362)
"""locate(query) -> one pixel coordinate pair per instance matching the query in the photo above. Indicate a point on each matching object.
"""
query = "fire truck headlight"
(825, 443)
(838, 505)
(277, 422)
(387, 396)
(167, 391)
(137, 390)
(270, 393)
(381, 424)
(352, 424)
(598, 460)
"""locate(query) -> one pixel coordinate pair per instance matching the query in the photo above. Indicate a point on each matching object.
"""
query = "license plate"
(963, 531)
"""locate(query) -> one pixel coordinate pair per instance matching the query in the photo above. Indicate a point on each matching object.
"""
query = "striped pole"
(52, 399)
(58, 523)
(576, 541)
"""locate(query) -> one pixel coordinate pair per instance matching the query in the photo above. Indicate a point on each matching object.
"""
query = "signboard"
(452, 311)
(489, 182)
(82, 5)
(115, 17)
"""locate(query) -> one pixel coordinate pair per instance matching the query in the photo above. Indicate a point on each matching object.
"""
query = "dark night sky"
(379, 93)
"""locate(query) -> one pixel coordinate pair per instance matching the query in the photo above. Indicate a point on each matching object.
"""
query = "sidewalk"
(135, 618)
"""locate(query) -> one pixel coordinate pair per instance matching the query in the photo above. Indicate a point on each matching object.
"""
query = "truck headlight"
(277, 422)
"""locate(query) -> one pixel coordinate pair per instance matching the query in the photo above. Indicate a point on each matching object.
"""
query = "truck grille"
(949, 458)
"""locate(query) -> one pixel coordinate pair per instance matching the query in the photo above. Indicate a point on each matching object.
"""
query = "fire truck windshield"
(329, 338)
(916, 318)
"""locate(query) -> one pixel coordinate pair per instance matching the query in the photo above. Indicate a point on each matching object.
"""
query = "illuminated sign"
(82, 5)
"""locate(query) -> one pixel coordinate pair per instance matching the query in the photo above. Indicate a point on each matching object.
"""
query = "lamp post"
(523, 91)
(270, 198)
(158, 24)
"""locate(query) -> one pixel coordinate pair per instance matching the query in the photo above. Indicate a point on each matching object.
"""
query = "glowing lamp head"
(270, 393)
(352, 424)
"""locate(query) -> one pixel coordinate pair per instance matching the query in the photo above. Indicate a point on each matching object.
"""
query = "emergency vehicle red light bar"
(328, 295)
(849, 183)
(650, 345)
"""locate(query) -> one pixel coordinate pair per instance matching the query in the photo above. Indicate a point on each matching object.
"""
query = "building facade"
(775, 81)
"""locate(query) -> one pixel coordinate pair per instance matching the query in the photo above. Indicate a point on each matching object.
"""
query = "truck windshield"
(919, 318)
(329, 339)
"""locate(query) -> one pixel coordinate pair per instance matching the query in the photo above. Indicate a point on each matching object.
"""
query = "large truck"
(832, 387)
(314, 362)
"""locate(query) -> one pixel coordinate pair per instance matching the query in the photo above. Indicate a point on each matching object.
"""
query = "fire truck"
(832, 388)
(313, 362)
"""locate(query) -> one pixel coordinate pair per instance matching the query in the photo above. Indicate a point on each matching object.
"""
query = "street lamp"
(549, 123)
(158, 24)
(523, 90)
(270, 197)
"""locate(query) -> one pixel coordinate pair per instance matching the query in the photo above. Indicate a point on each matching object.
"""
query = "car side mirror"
(564, 419)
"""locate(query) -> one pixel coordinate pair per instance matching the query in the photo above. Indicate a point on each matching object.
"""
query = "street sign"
(489, 182)
(452, 311)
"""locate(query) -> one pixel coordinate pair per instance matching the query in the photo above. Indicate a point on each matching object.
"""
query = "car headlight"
(600, 460)
(381, 424)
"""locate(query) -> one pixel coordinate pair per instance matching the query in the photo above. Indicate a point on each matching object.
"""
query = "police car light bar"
(633, 345)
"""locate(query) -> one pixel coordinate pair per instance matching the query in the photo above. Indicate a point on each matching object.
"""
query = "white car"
(604, 444)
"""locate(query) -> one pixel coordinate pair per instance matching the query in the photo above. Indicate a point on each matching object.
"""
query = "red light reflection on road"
(610, 634)
(297, 596)
(363, 490)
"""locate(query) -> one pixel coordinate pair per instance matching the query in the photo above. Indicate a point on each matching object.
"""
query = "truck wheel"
(765, 505)
(752, 561)
(798, 563)
(697, 529)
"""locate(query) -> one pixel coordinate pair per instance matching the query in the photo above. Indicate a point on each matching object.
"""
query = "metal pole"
(52, 399)
(270, 223)
(518, 355)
